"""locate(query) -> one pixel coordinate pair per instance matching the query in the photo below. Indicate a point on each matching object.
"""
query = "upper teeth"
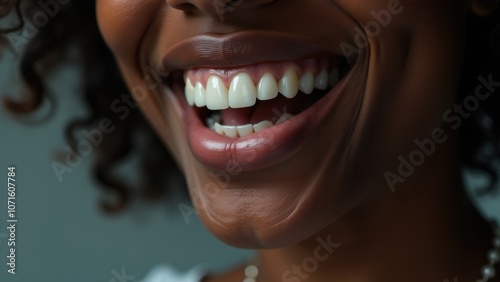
(244, 93)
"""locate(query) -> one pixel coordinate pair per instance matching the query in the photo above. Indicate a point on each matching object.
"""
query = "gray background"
(61, 234)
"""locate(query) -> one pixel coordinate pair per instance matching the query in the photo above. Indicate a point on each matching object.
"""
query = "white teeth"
(216, 94)
(199, 95)
(267, 88)
(242, 130)
(321, 81)
(262, 125)
(189, 92)
(230, 131)
(284, 117)
(289, 84)
(226, 130)
(242, 92)
(218, 128)
(306, 83)
(334, 77)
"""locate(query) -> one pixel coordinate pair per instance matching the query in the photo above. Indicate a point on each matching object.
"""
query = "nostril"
(186, 7)
(182, 5)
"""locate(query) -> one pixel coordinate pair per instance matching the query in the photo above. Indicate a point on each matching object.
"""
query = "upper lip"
(239, 49)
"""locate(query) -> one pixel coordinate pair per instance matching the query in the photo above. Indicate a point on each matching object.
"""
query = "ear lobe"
(483, 8)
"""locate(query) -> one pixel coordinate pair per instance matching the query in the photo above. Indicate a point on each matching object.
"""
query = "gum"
(256, 71)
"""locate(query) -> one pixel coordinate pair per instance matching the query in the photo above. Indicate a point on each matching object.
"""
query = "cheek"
(401, 14)
(123, 23)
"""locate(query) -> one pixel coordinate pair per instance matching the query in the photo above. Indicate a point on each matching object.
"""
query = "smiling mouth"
(237, 102)
(252, 98)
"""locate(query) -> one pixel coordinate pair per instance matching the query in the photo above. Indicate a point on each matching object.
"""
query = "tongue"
(270, 110)
(237, 116)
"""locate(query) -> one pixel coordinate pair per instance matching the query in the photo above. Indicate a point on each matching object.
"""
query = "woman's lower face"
(286, 115)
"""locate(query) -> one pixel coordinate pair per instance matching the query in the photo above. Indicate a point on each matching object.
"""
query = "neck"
(427, 230)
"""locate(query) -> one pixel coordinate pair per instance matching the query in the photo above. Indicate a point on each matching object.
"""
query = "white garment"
(165, 273)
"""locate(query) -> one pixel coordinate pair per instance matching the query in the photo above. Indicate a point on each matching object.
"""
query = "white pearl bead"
(251, 271)
(488, 272)
(496, 242)
(493, 256)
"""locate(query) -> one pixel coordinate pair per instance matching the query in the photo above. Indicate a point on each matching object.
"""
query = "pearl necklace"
(488, 271)
(252, 270)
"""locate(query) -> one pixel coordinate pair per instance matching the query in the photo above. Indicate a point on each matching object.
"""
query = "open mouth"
(253, 98)
(238, 102)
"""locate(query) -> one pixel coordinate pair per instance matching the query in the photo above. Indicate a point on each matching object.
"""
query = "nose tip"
(217, 7)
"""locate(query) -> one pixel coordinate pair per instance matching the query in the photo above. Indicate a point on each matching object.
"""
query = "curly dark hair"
(74, 25)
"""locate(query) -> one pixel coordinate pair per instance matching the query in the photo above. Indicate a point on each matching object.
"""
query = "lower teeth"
(214, 121)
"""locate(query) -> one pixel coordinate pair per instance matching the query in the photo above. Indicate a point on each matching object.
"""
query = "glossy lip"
(262, 149)
(240, 49)
(270, 146)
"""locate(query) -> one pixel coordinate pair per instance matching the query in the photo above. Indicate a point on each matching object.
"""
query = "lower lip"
(262, 149)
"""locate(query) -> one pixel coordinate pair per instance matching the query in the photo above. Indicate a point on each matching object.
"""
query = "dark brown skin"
(334, 185)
